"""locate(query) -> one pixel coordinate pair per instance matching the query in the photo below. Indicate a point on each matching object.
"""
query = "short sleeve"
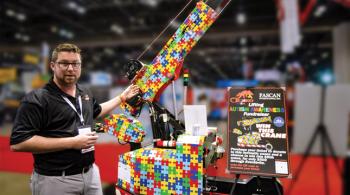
(97, 108)
(28, 121)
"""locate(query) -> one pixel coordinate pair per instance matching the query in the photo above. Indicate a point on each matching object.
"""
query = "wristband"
(122, 98)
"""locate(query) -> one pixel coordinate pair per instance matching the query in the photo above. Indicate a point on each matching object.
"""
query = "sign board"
(258, 139)
(31, 59)
(101, 78)
(7, 75)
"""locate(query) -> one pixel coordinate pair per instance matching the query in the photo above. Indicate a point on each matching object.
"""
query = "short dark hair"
(68, 47)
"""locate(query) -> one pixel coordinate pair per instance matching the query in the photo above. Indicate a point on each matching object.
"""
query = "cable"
(161, 33)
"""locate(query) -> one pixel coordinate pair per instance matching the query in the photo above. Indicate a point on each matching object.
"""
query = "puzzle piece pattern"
(167, 65)
(165, 171)
(125, 128)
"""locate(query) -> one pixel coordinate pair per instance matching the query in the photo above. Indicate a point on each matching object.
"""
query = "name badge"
(82, 131)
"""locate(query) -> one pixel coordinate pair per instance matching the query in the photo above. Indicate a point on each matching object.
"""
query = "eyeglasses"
(65, 65)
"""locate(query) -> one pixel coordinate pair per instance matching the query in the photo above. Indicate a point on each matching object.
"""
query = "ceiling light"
(208, 60)
(151, 3)
(65, 33)
(201, 53)
(22, 37)
(21, 17)
(96, 58)
(69, 35)
(81, 10)
(141, 21)
(325, 55)
(118, 2)
(244, 50)
(62, 32)
(320, 10)
(243, 41)
(75, 7)
(241, 18)
(314, 61)
(18, 36)
(53, 29)
(10, 12)
(108, 51)
(117, 29)
(25, 38)
(72, 5)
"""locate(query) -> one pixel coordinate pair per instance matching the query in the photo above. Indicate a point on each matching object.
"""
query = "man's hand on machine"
(129, 92)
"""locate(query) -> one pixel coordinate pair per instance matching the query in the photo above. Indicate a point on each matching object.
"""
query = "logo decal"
(244, 96)
(278, 121)
(269, 96)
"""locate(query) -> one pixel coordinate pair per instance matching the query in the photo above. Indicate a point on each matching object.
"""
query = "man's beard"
(68, 80)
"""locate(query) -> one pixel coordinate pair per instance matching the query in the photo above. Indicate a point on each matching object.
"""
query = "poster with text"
(258, 139)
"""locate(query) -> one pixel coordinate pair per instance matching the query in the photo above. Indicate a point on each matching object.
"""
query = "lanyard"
(73, 107)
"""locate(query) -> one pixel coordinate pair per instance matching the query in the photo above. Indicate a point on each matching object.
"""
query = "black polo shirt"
(45, 113)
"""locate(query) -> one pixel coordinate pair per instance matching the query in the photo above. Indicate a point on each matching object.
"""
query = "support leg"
(303, 160)
(325, 164)
(234, 184)
(332, 152)
(276, 185)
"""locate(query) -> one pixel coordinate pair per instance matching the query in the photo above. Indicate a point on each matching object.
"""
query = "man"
(55, 122)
